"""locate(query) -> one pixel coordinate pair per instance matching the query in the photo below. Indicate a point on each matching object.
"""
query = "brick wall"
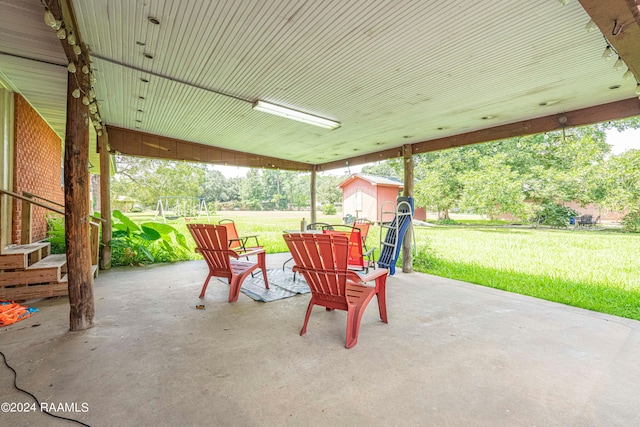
(37, 166)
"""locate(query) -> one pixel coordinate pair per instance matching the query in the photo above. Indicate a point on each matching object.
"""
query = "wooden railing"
(35, 196)
(26, 220)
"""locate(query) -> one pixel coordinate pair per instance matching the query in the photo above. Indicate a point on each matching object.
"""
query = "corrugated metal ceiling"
(392, 72)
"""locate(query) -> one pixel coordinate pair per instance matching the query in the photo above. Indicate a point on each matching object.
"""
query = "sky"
(620, 141)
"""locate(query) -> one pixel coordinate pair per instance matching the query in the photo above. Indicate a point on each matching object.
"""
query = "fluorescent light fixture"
(267, 107)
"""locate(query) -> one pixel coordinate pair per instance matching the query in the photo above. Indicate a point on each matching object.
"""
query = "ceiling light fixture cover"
(278, 110)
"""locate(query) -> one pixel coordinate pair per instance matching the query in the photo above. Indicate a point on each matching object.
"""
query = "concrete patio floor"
(452, 354)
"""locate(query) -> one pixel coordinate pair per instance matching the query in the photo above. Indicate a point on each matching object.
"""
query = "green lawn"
(269, 226)
(596, 270)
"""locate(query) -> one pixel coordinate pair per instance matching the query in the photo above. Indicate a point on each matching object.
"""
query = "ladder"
(391, 243)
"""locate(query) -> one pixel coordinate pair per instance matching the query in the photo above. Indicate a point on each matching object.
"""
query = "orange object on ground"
(212, 243)
(323, 261)
(11, 312)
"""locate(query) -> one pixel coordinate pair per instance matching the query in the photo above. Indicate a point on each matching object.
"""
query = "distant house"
(363, 196)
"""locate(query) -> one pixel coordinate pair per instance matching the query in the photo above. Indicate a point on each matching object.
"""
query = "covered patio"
(451, 354)
(183, 81)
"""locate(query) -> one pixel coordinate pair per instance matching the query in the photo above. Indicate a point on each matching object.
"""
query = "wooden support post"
(76, 195)
(105, 200)
(314, 174)
(407, 256)
(26, 222)
(1, 223)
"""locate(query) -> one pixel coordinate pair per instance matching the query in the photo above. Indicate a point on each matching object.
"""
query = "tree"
(327, 189)
(493, 189)
(252, 191)
(438, 177)
(299, 190)
(214, 187)
(621, 182)
(439, 187)
(149, 179)
(391, 168)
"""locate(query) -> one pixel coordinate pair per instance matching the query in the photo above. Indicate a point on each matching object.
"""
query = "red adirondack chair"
(358, 260)
(323, 261)
(363, 225)
(236, 242)
(212, 243)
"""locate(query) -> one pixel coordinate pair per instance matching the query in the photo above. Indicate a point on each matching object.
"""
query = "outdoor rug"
(281, 285)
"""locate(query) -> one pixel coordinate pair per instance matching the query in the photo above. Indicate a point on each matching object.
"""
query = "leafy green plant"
(423, 258)
(329, 209)
(55, 234)
(148, 242)
(554, 215)
(631, 222)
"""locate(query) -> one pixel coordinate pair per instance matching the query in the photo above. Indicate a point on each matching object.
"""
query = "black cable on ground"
(15, 384)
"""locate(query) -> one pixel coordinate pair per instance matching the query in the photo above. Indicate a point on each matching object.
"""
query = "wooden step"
(20, 293)
(49, 269)
(43, 279)
(94, 273)
(22, 256)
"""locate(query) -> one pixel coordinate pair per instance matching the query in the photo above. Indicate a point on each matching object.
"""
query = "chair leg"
(234, 289)
(306, 318)
(354, 317)
(382, 305)
(204, 288)
(382, 300)
(262, 263)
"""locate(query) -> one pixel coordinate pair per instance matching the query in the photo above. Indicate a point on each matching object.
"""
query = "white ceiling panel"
(392, 72)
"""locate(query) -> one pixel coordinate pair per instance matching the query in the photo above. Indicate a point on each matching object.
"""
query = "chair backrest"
(364, 226)
(356, 258)
(232, 233)
(319, 226)
(212, 243)
(322, 260)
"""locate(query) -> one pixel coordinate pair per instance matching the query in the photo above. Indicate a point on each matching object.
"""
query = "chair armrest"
(252, 251)
(353, 276)
(374, 274)
(242, 252)
(245, 239)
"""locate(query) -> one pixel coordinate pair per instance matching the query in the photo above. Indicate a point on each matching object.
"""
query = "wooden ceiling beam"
(619, 22)
(141, 144)
(600, 113)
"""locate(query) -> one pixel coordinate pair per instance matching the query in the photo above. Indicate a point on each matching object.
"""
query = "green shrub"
(55, 234)
(554, 215)
(631, 222)
(445, 221)
(329, 209)
(424, 257)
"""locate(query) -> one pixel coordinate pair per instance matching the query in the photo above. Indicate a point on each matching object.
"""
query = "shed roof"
(375, 180)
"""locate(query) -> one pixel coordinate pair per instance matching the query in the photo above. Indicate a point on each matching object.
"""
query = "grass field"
(596, 270)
